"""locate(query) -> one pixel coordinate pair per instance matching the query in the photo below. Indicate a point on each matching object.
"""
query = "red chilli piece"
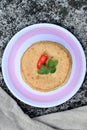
(42, 60)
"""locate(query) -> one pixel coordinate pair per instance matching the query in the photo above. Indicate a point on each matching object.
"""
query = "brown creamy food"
(51, 81)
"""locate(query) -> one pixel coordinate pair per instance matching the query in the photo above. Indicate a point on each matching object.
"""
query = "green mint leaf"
(40, 72)
(43, 70)
(50, 67)
(47, 71)
(52, 70)
(52, 63)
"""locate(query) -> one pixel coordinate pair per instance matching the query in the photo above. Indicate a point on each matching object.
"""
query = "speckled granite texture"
(70, 14)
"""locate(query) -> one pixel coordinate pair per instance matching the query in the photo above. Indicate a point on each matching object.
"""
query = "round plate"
(11, 64)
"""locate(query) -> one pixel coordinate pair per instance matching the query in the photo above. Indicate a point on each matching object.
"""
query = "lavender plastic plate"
(11, 64)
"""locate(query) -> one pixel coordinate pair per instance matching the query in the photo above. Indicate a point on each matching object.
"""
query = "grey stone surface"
(70, 14)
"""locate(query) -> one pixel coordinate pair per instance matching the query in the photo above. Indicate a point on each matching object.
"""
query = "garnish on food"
(46, 65)
(42, 60)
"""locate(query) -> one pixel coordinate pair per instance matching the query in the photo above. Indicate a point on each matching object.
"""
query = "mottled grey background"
(70, 14)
